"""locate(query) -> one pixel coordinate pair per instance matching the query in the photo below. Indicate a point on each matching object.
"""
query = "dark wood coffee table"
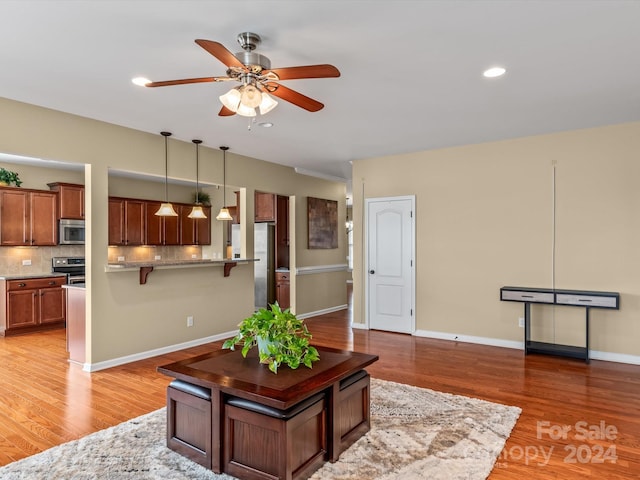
(263, 425)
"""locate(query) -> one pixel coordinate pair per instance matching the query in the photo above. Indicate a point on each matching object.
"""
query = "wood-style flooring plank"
(45, 401)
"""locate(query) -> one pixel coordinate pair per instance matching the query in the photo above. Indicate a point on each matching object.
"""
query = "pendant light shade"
(166, 209)
(224, 211)
(196, 211)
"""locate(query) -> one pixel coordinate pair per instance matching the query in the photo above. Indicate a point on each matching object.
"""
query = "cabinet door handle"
(22, 284)
(372, 272)
(52, 283)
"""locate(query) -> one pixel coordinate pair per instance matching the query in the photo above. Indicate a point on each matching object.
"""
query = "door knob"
(372, 272)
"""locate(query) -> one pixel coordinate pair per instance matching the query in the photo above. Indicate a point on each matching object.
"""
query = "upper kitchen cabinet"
(160, 230)
(265, 207)
(194, 231)
(27, 217)
(126, 221)
(70, 200)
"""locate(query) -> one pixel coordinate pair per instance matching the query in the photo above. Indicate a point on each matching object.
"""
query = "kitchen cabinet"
(282, 232)
(70, 200)
(32, 304)
(265, 207)
(27, 217)
(283, 289)
(194, 231)
(160, 230)
(126, 221)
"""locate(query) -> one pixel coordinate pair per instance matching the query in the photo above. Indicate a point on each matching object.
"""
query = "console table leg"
(587, 336)
(527, 327)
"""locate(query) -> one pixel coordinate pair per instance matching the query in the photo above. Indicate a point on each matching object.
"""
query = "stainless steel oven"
(72, 266)
(71, 232)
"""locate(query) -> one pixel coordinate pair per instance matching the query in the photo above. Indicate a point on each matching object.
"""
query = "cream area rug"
(415, 433)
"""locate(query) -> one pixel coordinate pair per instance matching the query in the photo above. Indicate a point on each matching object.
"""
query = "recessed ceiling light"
(494, 72)
(140, 81)
(266, 124)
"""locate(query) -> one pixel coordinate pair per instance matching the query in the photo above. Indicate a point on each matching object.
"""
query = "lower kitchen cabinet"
(283, 285)
(32, 304)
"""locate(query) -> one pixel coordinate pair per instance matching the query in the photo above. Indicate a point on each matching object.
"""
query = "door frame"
(365, 262)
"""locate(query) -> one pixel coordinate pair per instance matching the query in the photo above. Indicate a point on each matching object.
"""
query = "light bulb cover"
(250, 96)
(231, 99)
(267, 104)
(166, 210)
(245, 111)
(197, 212)
(224, 214)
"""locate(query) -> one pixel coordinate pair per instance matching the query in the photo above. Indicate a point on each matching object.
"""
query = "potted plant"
(8, 177)
(202, 197)
(280, 337)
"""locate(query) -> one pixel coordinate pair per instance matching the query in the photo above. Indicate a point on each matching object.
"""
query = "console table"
(573, 298)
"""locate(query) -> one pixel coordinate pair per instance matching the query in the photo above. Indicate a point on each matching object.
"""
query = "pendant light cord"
(166, 165)
(224, 175)
(197, 142)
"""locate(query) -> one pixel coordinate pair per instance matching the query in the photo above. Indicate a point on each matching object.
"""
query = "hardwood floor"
(44, 401)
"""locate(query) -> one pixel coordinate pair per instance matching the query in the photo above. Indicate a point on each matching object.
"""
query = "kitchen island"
(76, 320)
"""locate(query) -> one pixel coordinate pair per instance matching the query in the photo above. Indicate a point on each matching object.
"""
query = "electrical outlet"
(190, 321)
(27, 262)
(193, 255)
(121, 259)
(157, 257)
(521, 322)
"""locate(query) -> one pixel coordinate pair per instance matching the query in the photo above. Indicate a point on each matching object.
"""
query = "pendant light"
(166, 209)
(196, 211)
(224, 211)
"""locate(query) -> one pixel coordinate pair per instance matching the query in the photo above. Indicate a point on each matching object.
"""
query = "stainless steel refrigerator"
(264, 268)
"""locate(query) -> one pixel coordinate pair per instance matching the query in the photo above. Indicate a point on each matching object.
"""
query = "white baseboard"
(359, 326)
(456, 337)
(337, 308)
(94, 367)
(497, 342)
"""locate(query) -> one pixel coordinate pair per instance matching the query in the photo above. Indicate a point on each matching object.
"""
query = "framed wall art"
(322, 223)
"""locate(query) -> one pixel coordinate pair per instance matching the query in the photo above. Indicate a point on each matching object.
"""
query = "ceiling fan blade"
(308, 71)
(294, 97)
(225, 112)
(181, 82)
(220, 52)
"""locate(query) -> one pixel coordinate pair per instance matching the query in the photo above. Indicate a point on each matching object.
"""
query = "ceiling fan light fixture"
(245, 111)
(250, 96)
(231, 99)
(267, 104)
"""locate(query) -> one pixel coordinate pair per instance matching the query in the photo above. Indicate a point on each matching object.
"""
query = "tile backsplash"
(147, 253)
(12, 258)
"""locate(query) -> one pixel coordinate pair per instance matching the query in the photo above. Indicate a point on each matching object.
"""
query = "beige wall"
(484, 219)
(126, 318)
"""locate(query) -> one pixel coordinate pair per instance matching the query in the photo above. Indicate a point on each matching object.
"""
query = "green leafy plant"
(9, 177)
(286, 338)
(202, 197)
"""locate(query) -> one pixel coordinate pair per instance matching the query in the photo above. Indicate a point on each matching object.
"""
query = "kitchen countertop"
(173, 263)
(31, 275)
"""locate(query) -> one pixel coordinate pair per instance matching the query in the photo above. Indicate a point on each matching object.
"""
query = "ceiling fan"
(258, 80)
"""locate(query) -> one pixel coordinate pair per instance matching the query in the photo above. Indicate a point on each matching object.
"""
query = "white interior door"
(390, 265)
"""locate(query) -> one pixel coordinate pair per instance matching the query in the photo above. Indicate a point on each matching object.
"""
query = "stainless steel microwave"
(71, 232)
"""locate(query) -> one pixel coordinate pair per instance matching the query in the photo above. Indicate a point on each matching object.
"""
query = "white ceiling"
(411, 70)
